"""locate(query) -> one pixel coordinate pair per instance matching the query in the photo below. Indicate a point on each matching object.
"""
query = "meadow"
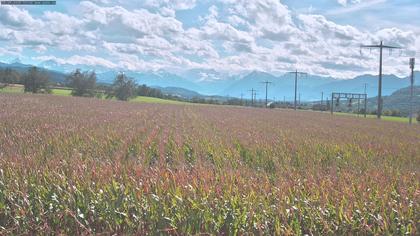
(67, 92)
(384, 118)
(90, 166)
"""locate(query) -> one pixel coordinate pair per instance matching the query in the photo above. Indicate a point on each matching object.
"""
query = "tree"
(143, 90)
(9, 76)
(82, 83)
(36, 81)
(123, 88)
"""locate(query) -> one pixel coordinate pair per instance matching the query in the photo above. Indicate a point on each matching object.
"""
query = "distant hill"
(179, 92)
(390, 83)
(399, 100)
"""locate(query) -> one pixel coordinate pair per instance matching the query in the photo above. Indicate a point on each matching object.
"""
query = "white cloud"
(172, 4)
(80, 60)
(62, 24)
(320, 28)
(346, 2)
(11, 16)
(234, 36)
(357, 5)
(266, 18)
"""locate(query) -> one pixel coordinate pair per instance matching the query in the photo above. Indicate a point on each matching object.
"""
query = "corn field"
(86, 166)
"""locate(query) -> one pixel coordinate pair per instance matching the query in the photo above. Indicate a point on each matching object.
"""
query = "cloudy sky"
(320, 37)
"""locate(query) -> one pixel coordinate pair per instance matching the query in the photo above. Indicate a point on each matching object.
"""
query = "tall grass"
(87, 166)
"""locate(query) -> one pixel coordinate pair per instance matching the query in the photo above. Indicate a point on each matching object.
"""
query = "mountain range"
(210, 82)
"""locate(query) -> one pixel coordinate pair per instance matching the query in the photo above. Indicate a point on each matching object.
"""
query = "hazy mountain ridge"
(210, 82)
(55, 76)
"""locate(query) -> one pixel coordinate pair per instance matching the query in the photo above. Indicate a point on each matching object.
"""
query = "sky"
(321, 37)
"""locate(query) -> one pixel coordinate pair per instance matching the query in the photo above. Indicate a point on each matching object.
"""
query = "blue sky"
(233, 36)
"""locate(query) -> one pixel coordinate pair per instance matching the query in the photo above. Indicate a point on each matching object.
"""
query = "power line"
(296, 73)
(381, 46)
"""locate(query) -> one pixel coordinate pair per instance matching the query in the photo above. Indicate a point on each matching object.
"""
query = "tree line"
(34, 80)
(82, 84)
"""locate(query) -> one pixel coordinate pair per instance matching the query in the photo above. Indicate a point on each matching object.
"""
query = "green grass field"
(385, 118)
(67, 92)
(12, 89)
(61, 92)
(157, 100)
(19, 89)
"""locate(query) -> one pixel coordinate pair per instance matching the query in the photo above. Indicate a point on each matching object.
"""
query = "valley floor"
(142, 99)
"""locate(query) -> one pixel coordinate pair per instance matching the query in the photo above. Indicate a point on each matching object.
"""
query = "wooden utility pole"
(381, 46)
(299, 99)
(253, 93)
(412, 63)
(266, 91)
(327, 102)
(296, 73)
(365, 100)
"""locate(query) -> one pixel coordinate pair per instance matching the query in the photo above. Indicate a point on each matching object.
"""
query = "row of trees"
(123, 88)
(34, 80)
(9, 76)
(82, 83)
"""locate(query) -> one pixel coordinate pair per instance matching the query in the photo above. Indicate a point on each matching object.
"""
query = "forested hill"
(399, 100)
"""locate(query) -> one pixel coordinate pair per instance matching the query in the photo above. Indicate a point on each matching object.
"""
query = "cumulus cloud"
(173, 4)
(233, 35)
(80, 60)
(346, 2)
(11, 16)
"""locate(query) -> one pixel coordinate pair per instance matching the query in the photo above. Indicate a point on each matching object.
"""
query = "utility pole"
(322, 98)
(299, 99)
(381, 46)
(266, 91)
(412, 63)
(253, 92)
(296, 73)
(255, 97)
(242, 97)
(365, 100)
(327, 103)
